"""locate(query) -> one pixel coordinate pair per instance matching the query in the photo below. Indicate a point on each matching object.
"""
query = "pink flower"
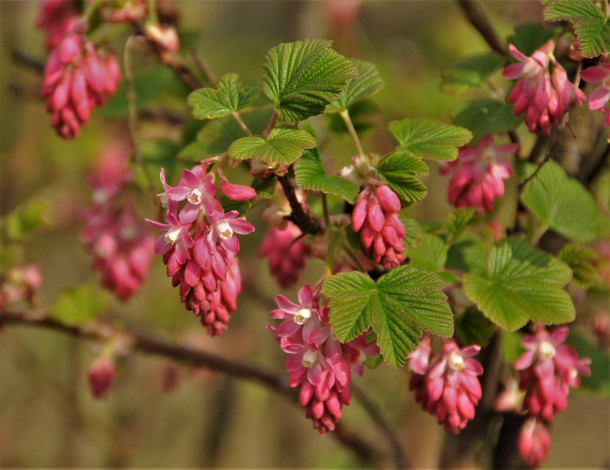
(382, 232)
(446, 383)
(101, 377)
(547, 370)
(197, 189)
(600, 74)
(56, 18)
(534, 442)
(20, 283)
(77, 78)
(236, 192)
(479, 174)
(286, 252)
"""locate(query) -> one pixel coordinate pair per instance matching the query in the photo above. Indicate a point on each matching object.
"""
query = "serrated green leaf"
(309, 174)
(367, 83)
(473, 328)
(230, 97)
(78, 304)
(562, 203)
(303, 77)
(398, 170)
(24, 220)
(403, 303)
(599, 380)
(590, 24)
(529, 37)
(428, 138)
(430, 254)
(469, 72)
(412, 231)
(281, 145)
(521, 283)
(486, 116)
(458, 222)
(469, 253)
(580, 259)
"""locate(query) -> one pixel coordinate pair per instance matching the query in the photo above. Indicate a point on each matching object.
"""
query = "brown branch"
(148, 344)
(304, 221)
(477, 17)
(20, 58)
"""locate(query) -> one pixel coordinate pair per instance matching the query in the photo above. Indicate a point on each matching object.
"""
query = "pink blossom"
(600, 74)
(547, 370)
(236, 192)
(381, 231)
(286, 250)
(77, 78)
(534, 442)
(20, 283)
(56, 18)
(164, 36)
(197, 189)
(101, 376)
(479, 174)
(446, 383)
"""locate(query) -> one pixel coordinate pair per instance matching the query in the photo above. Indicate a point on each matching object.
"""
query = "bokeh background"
(47, 416)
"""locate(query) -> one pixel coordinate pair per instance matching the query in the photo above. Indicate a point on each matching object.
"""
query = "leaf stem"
(205, 68)
(348, 251)
(352, 131)
(271, 125)
(242, 124)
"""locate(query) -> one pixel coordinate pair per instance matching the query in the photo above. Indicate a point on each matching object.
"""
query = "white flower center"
(302, 316)
(100, 196)
(489, 155)
(224, 230)
(310, 356)
(546, 350)
(531, 68)
(164, 199)
(195, 196)
(171, 236)
(455, 361)
(606, 82)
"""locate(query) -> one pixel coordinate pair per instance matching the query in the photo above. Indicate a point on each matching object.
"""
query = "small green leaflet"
(78, 304)
(562, 203)
(428, 138)
(412, 231)
(366, 84)
(468, 253)
(590, 24)
(23, 220)
(486, 116)
(303, 77)
(529, 37)
(458, 222)
(398, 170)
(430, 254)
(580, 259)
(521, 283)
(282, 145)
(469, 72)
(473, 328)
(309, 174)
(398, 307)
(229, 98)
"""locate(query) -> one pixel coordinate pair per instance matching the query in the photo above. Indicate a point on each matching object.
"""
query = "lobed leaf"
(430, 254)
(230, 97)
(367, 83)
(469, 72)
(78, 304)
(398, 170)
(580, 259)
(281, 145)
(458, 222)
(487, 116)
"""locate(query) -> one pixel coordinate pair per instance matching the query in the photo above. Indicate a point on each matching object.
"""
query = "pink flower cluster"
(120, 243)
(547, 370)
(287, 251)
(445, 382)
(381, 231)
(544, 96)
(601, 95)
(56, 18)
(479, 173)
(319, 364)
(199, 245)
(77, 78)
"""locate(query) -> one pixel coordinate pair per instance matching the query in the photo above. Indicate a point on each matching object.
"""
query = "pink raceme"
(56, 18)
(286, 250)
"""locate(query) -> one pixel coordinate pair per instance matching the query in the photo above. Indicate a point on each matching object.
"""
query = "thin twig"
(205, 69)
(22, 59)
(477, 18)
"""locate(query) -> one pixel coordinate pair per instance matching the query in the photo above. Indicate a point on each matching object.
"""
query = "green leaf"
(398, 171)
(78, 304)
(230, 97)
(511, 347)
(469, 72)
(427, 138)
(473, 328)
(521, 283)
(367, 83)
(430, 254)
(580, 259)
(412, 230)
(303, 77)
(590, 24)
(469, 253)
(309, 174)
(399, 307)
(562, 203)
(599, 380)
(281, 145)
(529, 37)
(264, 187)
(486, 116)
(24, 220)
(458, 222)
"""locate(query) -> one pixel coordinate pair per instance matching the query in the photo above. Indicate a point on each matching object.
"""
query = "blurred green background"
(47, 416)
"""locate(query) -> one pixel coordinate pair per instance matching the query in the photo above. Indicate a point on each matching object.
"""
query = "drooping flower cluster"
(544, 96)
(56, 18)
(77, 78)
(381, 231)
(547, 370)
(479, 173)
(120, 243)
(317, 362)
(286, 250)
(445, 382)
(199, 245)
(600, 96)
